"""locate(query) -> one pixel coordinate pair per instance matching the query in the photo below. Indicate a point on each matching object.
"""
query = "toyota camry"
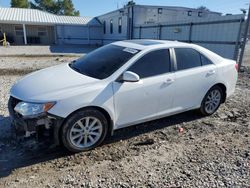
(118, 85)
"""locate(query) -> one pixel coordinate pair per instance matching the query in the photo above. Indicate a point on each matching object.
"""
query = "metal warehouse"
(219, 33)
(120, 24)
(30, 26)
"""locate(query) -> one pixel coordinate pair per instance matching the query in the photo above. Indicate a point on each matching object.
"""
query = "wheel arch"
(224, 90)
(223, 99)
(100, 109)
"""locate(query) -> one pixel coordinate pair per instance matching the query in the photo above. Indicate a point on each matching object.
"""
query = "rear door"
(137, 101)
(195, 74)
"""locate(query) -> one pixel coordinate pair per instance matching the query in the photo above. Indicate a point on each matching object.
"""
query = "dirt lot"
(45, 50)
(211, 152)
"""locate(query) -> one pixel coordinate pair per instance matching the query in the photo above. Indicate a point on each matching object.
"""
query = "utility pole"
(244, 39)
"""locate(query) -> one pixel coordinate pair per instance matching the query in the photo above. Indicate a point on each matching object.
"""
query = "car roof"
(142, 44)
(148, 44)
(145, 42)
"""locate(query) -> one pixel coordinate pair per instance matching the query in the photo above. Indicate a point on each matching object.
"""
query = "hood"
(51, 84)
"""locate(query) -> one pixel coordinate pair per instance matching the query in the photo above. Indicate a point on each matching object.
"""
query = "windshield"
(104, 61)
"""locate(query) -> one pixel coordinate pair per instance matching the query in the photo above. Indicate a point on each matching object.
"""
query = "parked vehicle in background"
(118, 85)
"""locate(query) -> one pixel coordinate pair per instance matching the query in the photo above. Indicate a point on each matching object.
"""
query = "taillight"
(236, 66)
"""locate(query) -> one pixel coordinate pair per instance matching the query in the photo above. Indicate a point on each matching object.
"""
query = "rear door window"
(187, 58)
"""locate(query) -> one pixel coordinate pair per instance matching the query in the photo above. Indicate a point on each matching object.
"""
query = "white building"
(31, 26)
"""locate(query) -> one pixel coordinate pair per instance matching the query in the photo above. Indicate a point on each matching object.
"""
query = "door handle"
(211, 72)
(169, 81)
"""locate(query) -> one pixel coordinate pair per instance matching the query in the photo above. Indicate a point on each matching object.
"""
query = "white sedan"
(118, 85)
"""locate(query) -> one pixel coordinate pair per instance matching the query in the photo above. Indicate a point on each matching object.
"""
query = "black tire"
(202, 109)
(65, 133)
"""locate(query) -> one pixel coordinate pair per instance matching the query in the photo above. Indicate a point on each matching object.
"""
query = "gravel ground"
(211, 152)
(45, 50)
(23, 65)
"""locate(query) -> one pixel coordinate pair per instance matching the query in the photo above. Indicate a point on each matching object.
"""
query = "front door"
(153, 94)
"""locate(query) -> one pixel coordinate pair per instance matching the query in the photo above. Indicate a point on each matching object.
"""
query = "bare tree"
(203, 8)
(130, 3)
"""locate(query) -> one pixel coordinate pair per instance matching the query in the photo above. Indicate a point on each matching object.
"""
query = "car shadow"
(29, 152)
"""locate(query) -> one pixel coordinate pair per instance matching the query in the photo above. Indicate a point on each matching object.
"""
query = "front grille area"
(14, 101)
(12, 104)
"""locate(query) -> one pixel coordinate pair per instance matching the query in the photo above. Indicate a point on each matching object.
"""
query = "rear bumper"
(35, 126)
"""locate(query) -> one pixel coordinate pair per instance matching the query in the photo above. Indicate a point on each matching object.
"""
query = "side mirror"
(129, 76)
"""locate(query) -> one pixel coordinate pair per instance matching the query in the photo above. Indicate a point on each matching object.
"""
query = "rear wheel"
(211, 101)
(84, 130)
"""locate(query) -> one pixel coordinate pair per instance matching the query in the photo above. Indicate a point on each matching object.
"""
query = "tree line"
(59, 7)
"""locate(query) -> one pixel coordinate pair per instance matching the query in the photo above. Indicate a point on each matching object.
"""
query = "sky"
(98, 7)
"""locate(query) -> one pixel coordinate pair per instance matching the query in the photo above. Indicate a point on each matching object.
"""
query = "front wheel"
(84, 130)
(211, 101)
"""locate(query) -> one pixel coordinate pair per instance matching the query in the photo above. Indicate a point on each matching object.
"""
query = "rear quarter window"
(205, 60)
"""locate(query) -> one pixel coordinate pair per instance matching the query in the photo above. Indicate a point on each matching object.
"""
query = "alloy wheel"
(213, 100)
(86, 132)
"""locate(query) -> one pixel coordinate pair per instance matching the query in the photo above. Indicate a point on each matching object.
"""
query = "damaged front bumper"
(36, 126)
